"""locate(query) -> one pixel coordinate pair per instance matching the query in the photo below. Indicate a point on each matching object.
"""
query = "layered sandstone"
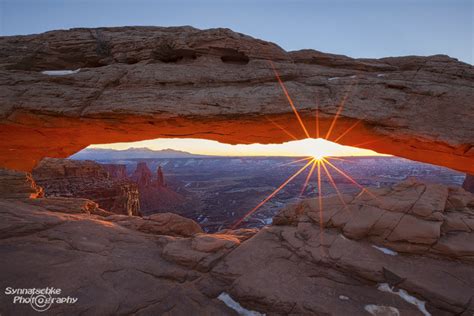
(87, 179)
(135, 83)
(18, 185)
(410, 217)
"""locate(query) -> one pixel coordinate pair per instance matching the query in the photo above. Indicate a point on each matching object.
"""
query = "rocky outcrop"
(160, 179)
(136, 83)
(142, 175)
(115, 171)
(18, 185)
(110, 269)
(410, 217)
(155, 196)
(161, 224)
(165, 264)
(301, 270)
(468, 183)
(87, 179)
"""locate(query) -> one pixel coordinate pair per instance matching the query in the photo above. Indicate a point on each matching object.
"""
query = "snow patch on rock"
(378, 310)
(385, 287)
(224, 297)
(386, 250)
(60, 72)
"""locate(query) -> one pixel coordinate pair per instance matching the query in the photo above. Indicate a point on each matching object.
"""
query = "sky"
(306, 147)
(356, 28)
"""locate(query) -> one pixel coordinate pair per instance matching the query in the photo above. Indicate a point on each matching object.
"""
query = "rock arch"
(139, 83)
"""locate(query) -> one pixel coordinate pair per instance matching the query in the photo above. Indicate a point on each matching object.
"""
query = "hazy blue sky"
(357, 28)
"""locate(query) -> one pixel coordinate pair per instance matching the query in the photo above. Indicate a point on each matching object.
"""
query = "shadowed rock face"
(468, 184)
(139, 83)
(87, 179)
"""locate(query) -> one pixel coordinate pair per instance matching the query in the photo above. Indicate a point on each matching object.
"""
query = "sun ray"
(339, 110)
(347, 130)
(320, 202)
(282, 85)
(334, 185)
(282, 128)
(336, 158)
(308, 177)
(349, 178)
(271, 195)
(367, 142)
(295, 161)
(333, 123)
(317, 123)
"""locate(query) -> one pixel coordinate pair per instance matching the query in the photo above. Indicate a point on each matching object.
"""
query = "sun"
(317, 152)
(318, 156)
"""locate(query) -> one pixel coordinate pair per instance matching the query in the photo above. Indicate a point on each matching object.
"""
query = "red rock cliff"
(87, 179)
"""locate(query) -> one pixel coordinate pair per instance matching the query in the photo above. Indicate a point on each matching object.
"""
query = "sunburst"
(318, 160)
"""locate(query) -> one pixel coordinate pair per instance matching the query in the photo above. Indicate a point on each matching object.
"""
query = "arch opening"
(221, 186)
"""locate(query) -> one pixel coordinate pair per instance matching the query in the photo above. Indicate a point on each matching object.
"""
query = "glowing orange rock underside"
(314, 162)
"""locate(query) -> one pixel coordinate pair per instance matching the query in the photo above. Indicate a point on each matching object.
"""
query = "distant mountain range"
(131, 153)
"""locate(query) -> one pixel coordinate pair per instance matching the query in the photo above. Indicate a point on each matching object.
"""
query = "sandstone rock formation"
(160, 179)
(410, 217)
(142, 175)
(160, 224)
(87, 179)
(155, 196)
(115, 171)
(164, 264)
(18, 185)
(109, 268)
(468, 184)
(137, 83)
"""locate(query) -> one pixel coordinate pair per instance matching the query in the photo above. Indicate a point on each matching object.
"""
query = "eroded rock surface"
(110, 269)
(88, 179)
(162, 224)
(136, 83)
(18, 185)
(468, 183)
(410, 217)
(165, 264)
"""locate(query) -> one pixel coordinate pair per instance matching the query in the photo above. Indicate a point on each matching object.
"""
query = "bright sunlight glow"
(305, 147)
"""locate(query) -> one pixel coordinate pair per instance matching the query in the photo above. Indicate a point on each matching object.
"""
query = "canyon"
(108, 185)
(87, 179)
(404, 250)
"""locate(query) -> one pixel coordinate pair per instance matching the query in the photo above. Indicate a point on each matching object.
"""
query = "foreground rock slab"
(110, 269)
(356, 264)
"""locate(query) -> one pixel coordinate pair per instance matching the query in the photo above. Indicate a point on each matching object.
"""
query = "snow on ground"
(386, 250)
(343, 298)
(60, 72)
(334, 78)
(380, 75)
(224, 297)
(385, 287)
(381, 310)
